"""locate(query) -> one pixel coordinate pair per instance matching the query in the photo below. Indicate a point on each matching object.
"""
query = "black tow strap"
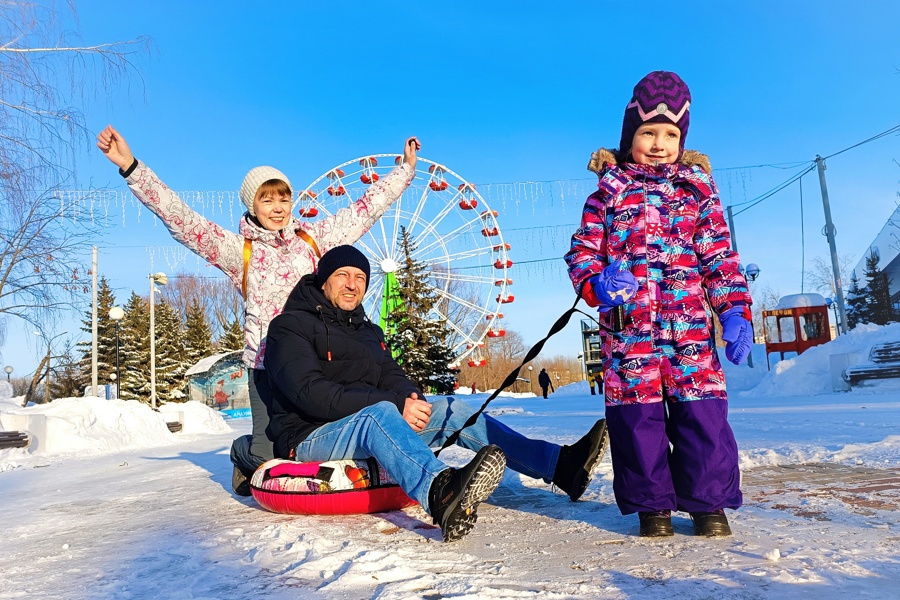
(558, 326)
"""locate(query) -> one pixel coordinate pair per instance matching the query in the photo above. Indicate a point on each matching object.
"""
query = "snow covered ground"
(118, 507)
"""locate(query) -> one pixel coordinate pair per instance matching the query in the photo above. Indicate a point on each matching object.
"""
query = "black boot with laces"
(456, 493)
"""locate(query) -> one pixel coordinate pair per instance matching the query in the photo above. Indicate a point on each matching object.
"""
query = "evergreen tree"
(68, 377)
(857, 309)
(418, 342)
(197, 334)
(134, 350)
(232, 337)
(106, 340)
(171, 360)
(878, 293)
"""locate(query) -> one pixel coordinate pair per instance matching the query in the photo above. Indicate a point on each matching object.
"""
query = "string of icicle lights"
(522, 198)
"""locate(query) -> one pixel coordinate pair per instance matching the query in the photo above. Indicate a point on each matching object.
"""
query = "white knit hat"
(254, 179)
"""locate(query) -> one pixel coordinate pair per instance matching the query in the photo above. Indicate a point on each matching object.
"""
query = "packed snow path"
(161, 523)
(150, 513)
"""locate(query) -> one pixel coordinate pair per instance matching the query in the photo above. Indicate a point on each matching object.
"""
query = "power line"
(773, 191)
(572, 226)
(894, 129)
(515, 263)
(784, 165)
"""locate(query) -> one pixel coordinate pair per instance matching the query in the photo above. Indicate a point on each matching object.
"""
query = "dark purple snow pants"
(698, 474)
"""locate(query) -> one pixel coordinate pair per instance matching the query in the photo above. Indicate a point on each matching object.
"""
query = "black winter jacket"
(544, 379)
(324, 364)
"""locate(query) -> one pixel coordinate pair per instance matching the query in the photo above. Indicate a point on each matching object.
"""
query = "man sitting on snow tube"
(338, 394)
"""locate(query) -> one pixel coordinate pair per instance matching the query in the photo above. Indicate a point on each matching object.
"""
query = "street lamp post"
(8, 369)
(161, 279)
(751, 272)
(49, 346)
(117, 314)
(829, 302)
(530, 379)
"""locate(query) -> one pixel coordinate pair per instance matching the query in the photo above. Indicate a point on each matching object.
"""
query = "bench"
(174, 426)
(14, 439)
(884, 363)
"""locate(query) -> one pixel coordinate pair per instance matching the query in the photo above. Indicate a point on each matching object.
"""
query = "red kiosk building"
(799, 322)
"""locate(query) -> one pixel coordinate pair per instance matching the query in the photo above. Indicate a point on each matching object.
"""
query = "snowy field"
(116, 506)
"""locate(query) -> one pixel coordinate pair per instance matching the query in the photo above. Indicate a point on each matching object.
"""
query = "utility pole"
(732, 229)
(47, 379)
(734, 248)
(161, 279)
(152, 346)
(94, 320)
(830, 234)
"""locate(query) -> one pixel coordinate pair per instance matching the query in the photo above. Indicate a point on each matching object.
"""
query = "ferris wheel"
(454, 231)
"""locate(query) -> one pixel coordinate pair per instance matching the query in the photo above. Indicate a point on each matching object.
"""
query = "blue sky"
(503, 92)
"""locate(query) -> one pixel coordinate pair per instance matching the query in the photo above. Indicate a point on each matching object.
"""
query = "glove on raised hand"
(737, 334)
(613, 287)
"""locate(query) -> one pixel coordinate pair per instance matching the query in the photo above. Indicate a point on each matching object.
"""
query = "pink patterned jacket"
(279, 258)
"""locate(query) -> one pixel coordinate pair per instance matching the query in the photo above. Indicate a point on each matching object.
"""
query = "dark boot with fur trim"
(576, 462)
(456, 493)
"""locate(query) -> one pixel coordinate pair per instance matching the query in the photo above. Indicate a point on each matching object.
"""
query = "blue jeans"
(379, 431)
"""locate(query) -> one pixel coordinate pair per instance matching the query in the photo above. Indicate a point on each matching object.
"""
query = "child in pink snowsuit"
(654, 253)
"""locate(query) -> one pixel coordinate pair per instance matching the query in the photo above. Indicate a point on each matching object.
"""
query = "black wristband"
(129, 170)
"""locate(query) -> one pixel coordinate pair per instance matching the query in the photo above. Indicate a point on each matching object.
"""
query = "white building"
(887, 246)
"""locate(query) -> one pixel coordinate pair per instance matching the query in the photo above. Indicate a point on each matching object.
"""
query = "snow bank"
(810, 372)
(743, 377)
(195, 417)
(91, 426)
(800, 301)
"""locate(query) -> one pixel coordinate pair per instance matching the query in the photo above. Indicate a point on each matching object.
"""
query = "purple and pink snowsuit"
(664, 383)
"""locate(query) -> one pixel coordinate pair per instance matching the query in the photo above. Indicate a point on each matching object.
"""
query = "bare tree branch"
(43, 78)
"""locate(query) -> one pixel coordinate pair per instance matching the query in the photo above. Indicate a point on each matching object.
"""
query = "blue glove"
(613, 287)
(737, 334)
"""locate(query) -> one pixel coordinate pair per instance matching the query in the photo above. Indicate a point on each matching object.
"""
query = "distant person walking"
(544, 381)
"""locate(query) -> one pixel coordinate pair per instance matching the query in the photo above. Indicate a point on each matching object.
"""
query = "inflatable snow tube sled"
(338, 487)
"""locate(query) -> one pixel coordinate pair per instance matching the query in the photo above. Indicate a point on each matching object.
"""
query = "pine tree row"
(183, 337)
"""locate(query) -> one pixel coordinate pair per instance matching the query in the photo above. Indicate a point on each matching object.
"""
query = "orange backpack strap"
(312, 243)
(248, 248)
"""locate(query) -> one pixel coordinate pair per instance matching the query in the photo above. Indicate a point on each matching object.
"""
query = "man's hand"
(115, 147)
(409, 151)
(416, 412)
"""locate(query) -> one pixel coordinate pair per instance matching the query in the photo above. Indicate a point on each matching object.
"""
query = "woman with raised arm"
(265, 260)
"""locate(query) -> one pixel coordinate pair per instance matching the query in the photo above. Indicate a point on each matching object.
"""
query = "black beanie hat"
(341, 256)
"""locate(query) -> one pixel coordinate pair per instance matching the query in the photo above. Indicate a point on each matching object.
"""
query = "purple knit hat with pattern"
(660, 97)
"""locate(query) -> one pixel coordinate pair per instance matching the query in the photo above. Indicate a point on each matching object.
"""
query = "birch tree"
(45, 74)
